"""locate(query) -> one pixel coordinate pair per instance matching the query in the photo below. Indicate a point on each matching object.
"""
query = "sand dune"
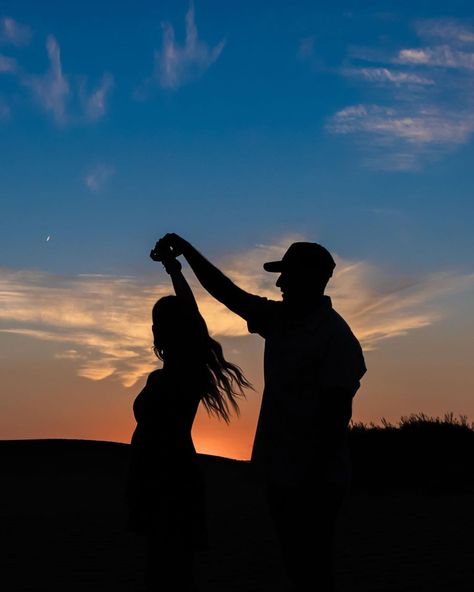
(63, 528)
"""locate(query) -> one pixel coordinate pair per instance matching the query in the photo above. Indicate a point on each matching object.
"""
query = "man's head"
(304, 271)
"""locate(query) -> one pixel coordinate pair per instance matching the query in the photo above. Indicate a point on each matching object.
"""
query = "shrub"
(420, 453)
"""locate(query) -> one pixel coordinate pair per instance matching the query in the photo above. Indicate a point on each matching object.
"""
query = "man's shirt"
(308, 357)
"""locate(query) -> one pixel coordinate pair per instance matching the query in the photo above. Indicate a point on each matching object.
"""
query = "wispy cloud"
(51, 89)
(98, 176)
(440, 55)
(104, 319)
(444, 28)
(411, 135)
(68, 103)
(387, 76)
(177, 65)
(94, 104)
(427, 104)
(14, 33)
(103, 324)
(381, 306)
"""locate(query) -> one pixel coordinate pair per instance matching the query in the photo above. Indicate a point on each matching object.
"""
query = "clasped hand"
(164, 252)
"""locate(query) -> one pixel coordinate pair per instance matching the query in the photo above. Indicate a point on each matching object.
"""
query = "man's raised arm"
(210, 277)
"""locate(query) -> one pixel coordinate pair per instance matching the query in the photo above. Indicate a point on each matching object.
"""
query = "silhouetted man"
(313, 365)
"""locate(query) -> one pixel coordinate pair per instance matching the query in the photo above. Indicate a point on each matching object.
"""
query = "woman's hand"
(161, 251)
(171, 264)
(156, 253)
(165, 254)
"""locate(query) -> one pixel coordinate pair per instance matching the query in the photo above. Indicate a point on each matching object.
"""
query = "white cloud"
(105, 319)
(453, 33)
(440, 56)
(68, 103)
(94, 104)
(14, 33)
(448, 29)
(424, 126)
(381, 306)
(385, 75)
(103, 324)
(52, 89)
(176, 65)
(426, 109)
(408, 135)
(98, 176)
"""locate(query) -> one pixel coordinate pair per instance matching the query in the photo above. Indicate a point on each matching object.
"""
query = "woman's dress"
(165, 489)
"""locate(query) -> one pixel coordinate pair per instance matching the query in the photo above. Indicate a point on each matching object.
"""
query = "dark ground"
(63, 528)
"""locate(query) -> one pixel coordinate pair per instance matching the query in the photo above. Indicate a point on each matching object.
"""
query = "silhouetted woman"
(166, 493)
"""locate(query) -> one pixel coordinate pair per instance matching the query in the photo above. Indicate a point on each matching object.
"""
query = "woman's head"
(180, 335)
(176, 332)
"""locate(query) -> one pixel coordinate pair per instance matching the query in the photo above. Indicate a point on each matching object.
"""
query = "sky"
(243, 126)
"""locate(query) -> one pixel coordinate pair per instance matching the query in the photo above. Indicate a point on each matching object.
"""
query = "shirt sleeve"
(262, 315)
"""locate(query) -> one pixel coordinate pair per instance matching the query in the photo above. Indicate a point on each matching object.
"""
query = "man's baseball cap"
(304, 256)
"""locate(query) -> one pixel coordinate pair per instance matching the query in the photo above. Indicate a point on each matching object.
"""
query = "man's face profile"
(298, 285)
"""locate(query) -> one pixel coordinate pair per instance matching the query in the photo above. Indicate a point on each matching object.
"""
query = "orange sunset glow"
(87, 340)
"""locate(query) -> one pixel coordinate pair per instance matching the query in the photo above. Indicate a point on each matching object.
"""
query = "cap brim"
(275, 266)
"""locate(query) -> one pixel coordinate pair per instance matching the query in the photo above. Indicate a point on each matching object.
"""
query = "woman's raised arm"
(210, 277)
(181, 287)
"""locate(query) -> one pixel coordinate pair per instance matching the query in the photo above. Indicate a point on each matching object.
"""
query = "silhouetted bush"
(421, 454)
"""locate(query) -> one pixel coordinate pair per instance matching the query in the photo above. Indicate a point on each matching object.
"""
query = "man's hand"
(173, 241)
(210, 277)
(162, 251)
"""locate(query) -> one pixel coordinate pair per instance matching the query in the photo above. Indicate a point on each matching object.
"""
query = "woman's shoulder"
(154, 376)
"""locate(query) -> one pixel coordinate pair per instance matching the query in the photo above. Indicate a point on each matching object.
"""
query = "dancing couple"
(313, 365)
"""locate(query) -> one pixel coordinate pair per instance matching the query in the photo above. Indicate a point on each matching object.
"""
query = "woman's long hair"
(175, 325)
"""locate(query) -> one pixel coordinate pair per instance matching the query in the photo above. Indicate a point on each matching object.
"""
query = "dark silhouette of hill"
(406, 525)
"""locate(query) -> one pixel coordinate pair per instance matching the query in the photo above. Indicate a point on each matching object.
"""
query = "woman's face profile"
(170, 330)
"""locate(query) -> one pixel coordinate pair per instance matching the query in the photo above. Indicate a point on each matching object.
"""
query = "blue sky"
(240, 125)
(248, 140)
